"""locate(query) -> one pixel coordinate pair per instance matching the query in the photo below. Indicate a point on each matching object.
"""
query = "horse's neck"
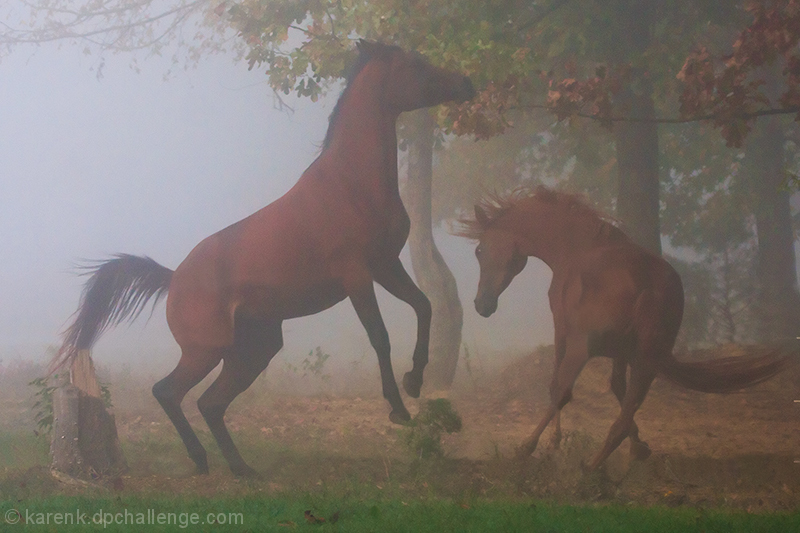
(364, 139)
(551, 236)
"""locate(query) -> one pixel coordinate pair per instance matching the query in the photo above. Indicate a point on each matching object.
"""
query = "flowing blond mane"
(495, 206)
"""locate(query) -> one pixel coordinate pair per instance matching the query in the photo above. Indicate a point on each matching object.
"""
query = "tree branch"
(661, 120)
(65, 31)
(544, 13)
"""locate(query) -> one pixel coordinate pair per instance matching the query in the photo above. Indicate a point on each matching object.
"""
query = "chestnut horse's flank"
(340, 228)
(609, 297)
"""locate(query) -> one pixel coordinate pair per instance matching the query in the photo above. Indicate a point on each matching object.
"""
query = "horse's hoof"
(201, 470)
(524, 452)
(640, 450)
(412, 386)
(245, 472)
(526, 449)
(400, 417)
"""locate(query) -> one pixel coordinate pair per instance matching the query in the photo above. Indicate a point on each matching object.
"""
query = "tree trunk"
(637, 142)
(430, 270)
(637, 162)
(85, 442)
(778, 306)
(64, 447)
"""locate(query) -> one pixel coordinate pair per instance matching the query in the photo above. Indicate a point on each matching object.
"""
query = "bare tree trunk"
(64, 447)
(430, 270)
(85, 442)
(637, 142)
(725, 304)
(778, 306)
(637, 161)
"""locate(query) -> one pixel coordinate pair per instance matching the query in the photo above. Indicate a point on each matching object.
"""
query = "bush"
(424, 433)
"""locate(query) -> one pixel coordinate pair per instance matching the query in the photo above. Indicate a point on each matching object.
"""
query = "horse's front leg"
(576, 355)
(365, 304)
(394, 278)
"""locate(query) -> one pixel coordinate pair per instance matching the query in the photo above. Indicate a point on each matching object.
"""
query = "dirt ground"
(738, 450)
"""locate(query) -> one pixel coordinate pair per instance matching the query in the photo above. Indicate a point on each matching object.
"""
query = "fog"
(133, 163)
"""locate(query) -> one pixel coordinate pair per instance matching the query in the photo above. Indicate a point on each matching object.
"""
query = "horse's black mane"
(368, 51)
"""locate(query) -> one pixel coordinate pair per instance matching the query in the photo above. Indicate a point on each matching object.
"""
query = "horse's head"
(413, 83)
(500, 259)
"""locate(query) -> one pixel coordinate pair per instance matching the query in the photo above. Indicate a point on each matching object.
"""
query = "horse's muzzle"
(485, 306)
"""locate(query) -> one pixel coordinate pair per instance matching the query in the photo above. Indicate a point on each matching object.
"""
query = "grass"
(352, 513)
(340, 459)
(351, 494)
(22, 450)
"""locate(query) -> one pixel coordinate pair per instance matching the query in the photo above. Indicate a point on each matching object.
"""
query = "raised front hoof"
(245, 472)
(640, 450)
(400, 417)
(412, 385)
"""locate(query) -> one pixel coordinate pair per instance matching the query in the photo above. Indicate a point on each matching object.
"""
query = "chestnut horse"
(609, 297)
(339, 228)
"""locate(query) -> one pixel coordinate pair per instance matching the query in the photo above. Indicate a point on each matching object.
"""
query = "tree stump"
(64, 448)
(85, 442)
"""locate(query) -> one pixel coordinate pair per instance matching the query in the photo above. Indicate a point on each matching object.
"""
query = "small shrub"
(43, 406)
(314, 364)
(424, 433)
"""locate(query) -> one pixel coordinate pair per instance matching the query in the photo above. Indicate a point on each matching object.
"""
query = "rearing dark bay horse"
(339, 228)
(609, 297)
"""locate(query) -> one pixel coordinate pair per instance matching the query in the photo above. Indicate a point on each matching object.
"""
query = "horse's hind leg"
(639, 449)
(256, 341)
(560, 349)
(194, 365)
(641, 378)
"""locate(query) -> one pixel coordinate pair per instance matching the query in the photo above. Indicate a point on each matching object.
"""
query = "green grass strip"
(287, 513)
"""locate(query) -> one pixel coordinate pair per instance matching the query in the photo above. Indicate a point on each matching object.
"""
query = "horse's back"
(608, 283)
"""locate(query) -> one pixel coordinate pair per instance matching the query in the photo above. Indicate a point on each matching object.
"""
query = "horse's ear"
(481, 216)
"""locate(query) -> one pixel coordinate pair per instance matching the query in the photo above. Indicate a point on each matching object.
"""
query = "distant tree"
(743, 92)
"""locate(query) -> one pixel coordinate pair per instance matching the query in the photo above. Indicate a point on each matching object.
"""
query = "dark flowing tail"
(117, 290)
(728, 374)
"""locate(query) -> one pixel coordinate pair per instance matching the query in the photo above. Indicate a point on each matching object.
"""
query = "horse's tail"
(728, 374)
(117, 290)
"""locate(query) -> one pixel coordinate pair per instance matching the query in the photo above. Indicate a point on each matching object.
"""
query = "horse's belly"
(283, 303)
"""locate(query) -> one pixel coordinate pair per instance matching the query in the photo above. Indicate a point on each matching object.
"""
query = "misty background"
(129, 162)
